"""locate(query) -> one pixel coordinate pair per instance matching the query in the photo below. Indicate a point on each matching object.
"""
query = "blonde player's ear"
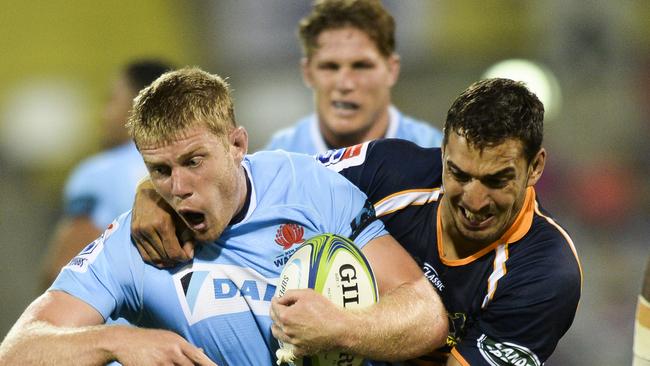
(238, 139)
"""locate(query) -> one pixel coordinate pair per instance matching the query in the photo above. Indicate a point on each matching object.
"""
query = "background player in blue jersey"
(249, 212)
(507, 272)
(103, 186)
(351, 65)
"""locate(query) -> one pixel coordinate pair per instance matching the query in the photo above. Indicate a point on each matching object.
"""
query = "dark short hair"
(491, 111)
(141, 73)
(369, 16)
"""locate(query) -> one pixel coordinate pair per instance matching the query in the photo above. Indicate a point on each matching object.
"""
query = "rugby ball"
(334, 267)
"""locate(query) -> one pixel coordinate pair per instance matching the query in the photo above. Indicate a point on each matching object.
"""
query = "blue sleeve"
(107, 274)
(84, 194)
(343, 208)
(80, 198)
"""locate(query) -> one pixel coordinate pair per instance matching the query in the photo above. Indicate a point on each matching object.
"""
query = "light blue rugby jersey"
(220, 301)
(103, 186)
(305, 137)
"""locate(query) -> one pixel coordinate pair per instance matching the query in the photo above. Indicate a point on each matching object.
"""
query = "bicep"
(60, 309)
(391, 264)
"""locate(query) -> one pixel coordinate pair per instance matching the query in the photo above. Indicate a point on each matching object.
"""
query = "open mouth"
(346, 106)
(194, 219)
(476, 220)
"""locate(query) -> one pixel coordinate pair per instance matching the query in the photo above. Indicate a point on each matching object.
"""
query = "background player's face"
(201, 177)
(117, 111)
(485, 189)
(351, 81)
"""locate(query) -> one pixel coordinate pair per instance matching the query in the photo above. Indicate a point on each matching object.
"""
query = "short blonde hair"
(180, 99)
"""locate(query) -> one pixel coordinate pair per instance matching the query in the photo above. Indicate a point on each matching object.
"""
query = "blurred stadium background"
(59, 56)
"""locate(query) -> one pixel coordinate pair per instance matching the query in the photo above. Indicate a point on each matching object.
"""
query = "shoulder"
(104, 165)
(282, 166)
(383, 167)
(555, 244)
(557, 270)
(113, 245)
(293, 137)
(422, 133)
(387, 156)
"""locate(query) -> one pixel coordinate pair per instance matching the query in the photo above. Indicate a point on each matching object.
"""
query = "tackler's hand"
(159, 234)
(308, 321)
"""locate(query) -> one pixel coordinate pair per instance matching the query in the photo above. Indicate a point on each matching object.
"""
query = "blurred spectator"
(351, 65)
(103, 186)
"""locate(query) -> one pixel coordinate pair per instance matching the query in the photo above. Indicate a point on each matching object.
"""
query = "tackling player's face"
(351, 81)
(200, 175)
(484, 190)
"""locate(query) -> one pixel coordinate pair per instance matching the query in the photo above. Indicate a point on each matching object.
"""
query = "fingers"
(197, 356)
(146, 243)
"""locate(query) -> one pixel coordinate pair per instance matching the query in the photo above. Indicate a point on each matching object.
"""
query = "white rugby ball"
(333, 266)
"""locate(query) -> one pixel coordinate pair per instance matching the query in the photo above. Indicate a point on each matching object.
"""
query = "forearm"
(40, 343)
(407, 322)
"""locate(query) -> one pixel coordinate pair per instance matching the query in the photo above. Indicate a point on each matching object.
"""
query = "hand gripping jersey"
(508, 304)
(103, 186)
(305, 136)
(220, 301)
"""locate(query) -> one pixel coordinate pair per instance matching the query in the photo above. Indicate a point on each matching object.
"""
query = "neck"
(244, 200)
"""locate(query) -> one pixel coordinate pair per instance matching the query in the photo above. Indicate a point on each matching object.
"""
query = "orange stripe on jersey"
(566, 237)
(459, 357)
(516, 231)
(402, 199)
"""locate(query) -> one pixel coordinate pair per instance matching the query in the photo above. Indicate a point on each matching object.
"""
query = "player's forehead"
(460, 154)
(186, 142)
(345, 41)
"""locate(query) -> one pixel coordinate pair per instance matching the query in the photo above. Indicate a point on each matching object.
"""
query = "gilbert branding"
(505, 353)
(206, 290)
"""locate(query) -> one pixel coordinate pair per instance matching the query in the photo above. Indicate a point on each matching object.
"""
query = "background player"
(642, 323)
(184, 127)
(351, 65)
(507, 272)
(103, 186)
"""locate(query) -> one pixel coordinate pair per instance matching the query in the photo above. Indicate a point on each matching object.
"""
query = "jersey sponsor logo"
(289, 234)
(433, 277)
(89, 254)
(340, 159)
(282, 259)
(206, 290)
(505, 353)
